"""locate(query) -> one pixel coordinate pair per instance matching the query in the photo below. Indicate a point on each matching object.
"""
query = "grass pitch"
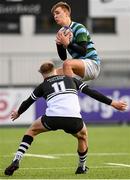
(53, 154)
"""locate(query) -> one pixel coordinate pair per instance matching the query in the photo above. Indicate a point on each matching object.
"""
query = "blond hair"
(63, 5)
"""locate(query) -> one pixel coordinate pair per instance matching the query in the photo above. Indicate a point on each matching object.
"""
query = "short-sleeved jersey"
(80, 34)
(60, 93)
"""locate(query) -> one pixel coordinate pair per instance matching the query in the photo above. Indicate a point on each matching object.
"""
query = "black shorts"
(70, 125)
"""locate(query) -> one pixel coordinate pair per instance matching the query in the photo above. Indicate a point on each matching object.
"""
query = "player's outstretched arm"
(119, 105)
(83, 87)
(23, 107)
(27, 103)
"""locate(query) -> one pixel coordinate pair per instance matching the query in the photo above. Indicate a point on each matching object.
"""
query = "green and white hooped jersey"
(80, 33)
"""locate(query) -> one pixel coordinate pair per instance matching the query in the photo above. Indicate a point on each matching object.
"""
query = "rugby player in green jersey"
(85, 61)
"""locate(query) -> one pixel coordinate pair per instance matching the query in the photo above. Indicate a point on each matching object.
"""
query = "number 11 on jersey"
(59, 86)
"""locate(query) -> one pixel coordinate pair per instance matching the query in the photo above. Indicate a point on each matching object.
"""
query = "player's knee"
(32, 131)
(82, 135)
(67, 63)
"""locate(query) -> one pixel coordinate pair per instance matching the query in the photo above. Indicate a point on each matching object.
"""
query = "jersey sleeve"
(83, 87)
(61, 52)
(80, 48)
(32, 98)
(78, 83)
(38, 92)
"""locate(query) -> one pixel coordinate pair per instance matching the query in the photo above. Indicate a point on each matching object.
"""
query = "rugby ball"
(67, 30)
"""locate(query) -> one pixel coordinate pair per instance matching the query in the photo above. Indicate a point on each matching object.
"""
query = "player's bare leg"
(82, 137)
(74, 66)
(35, 129)
(61, 72)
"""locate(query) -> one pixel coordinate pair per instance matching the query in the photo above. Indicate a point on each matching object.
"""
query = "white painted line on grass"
(41, 156)
(60, 168)
(118, 164)
(71, 154)
(93, 154)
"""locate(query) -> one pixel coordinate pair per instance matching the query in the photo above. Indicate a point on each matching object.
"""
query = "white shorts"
(92, 69)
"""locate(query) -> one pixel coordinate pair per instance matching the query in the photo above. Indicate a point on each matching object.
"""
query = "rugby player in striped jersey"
(85, 61)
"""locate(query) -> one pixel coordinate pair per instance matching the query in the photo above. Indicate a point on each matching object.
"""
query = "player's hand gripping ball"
(67, 30)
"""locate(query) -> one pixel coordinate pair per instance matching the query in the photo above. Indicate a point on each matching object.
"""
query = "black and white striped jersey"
(61, 95)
